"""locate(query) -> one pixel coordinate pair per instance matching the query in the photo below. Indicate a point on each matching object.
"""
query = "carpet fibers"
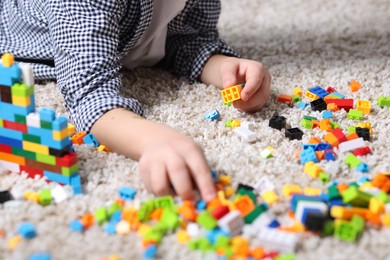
(304, 44)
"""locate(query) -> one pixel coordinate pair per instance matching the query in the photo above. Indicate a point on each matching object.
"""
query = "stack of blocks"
(33, 142)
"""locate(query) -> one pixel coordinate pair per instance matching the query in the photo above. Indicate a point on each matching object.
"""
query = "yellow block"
(36, 148)
(103, 148)
(14, 242)
(231, 94)
(312, 191)
(21, 101)
(312, 169)
(366, 125)
(298, 91)
(229, 191)
(224, 180)
(270, 197)
(311, 96)
(385, 218)
(182, 237)
(290, 189)
(144, 229)
(60, 135)
(376, 206)
(71, 129)
(7, 60)
(364, 106)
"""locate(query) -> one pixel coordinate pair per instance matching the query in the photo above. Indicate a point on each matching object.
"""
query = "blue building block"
(75, 182)
(24, 111)
(214, 234)
(46, 136)
(302, 105)
(60, 123)
(150, 252)
(11, 142)
(329, 155)
(11, 134)
(46, 114)
(363, 179)
(110, 229)
(40, 256)
(91, 140)
(336, 202)
(127, 193)
(10, 76)
(363, 167)
(297, 197)
(327, 114)
(274, 224)
(27, 230)
(308, 155)
(57, 177)
(307, 146)
(319, 91)
(116, 217)
(76, 226)
(6, 115)
(201, 205)
(212, 115)
(322, 147)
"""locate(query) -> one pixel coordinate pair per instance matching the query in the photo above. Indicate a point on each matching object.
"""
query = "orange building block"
(354, 85)
(314, 140)
(231, 94)
(332, 107)
(245, 205)
(325, 125)
(282, 98)
(187, 210)
(331, 139)
(87, 220)
(352, 136)
(78, 138)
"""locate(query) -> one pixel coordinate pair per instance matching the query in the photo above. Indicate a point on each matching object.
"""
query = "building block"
(363, 133)
(212, 115)
(355, 114)
(318, 105)
(383, 101)
(246, 134)
(311, 96)
(277, 122)
(319, 91)
(352, 145)
(354, 85)
(27, 136)
(294, 133)
(127, 193)
(345, 104)
(297, 91)
(232, 93)
(312, 169)
(364, 106)
(27, 230)
(282, 98)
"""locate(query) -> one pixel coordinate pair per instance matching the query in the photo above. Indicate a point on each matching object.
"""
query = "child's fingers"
(228, 74)
(201, 174)
(180, 177)
(253, 77)
(159, 180)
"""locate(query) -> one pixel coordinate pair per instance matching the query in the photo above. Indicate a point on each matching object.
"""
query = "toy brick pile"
(36, 143)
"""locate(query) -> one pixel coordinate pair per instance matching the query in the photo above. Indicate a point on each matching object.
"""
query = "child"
(83, 44)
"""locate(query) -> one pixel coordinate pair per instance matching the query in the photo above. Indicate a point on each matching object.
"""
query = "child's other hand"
(256, 78)
(175, 163)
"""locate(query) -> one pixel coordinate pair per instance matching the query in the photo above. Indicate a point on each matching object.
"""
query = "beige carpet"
(303, 43)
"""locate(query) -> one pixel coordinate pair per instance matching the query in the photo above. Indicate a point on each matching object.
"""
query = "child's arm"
(166, 157)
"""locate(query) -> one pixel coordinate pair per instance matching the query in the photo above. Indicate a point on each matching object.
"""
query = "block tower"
(35, 142)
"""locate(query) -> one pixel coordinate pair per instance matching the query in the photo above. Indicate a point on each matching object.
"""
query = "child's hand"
(224, 71)
(256, 78)
(169, 161)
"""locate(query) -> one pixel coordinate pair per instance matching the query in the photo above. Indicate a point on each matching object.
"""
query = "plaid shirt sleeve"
(193, 38)
(85, 40)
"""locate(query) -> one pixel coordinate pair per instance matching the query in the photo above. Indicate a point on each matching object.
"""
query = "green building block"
(1, 123)
(307, 124)
(356, 197)
(229, 123)
(296, 98)
(206, 220)
(24, 153)
(45, 197)
(333, 192)
(22, 90)
(383, 101)
(222, 242)
(358, 223)
(309, 118)
(351, 129)
(328, 228)
(355, 114)
(20, 119)
(352, 161)
(202, 244)
(68, 171)
(113, 208)
(382, 196)
(289, 256)
(145, 210)
(32, 138)
(164, 202)
(154, 236)
(255, 213)
(170, 218)
(324, 177)
(161, 227)
(101, 215)
(48, 159)
(346, 231)
(46, 125)
(334, 125)
(250, 193)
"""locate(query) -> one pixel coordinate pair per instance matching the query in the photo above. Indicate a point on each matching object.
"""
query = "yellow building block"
(270, 197)
(224, 180)
(71, 129)
(21, 101)
(235, 123)
(291, 189)
(143, 229)
(231, 94)
(221, 197)
(311, 96)
(385, 219)
(103, 148)
(366, 125)
(309, 191)
(326, 125)
(7, 60)
(298, 91)
(36, 148)
(31, 196)
(182, 237)
(60, 135)
(312, 169)
(364, 106)
(14, 242)
(347, 213)
(376, 206)
(229, 191)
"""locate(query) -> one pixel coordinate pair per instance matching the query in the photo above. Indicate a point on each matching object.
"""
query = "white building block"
(33, 119)
(263, 221)
(193, 229)
(231, 222)
(246, 134)
(59, 194)
(9, 166)
(17, 193)
(332, 167)
(280, 241)
(248, 125)
(27, 74)
(351, 145)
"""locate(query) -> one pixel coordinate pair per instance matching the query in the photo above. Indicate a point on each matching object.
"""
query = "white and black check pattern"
(87, 39)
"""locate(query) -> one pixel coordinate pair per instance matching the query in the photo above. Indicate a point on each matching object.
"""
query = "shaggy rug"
(304, 44)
